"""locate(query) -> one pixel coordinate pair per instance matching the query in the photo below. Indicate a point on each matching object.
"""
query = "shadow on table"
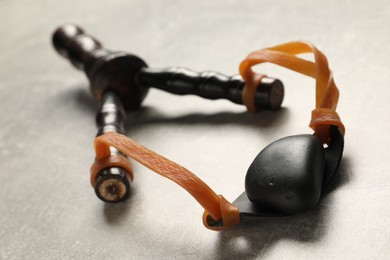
(265, 118)
(84, 99)
(254, 238)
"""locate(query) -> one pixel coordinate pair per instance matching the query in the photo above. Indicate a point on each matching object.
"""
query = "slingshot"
(287, 177)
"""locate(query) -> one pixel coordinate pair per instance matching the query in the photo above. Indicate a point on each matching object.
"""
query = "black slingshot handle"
(120, 81)
(129, 76)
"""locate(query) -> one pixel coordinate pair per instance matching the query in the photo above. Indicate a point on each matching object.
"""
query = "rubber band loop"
(111, 161)
(249, 91)
(284, 55)
(322, 119)
(218, 207)
(230, 216)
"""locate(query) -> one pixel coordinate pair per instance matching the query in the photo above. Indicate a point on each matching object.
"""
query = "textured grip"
(110, 116)
(212, 85)
(112, 184)
(71, 42)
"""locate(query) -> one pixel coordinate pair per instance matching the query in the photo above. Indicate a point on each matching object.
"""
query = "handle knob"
(106, 70)
(72, 43)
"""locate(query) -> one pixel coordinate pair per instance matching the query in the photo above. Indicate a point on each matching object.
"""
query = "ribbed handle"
(71, 42)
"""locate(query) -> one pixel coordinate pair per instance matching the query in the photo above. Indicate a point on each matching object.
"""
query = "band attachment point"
(230, 216)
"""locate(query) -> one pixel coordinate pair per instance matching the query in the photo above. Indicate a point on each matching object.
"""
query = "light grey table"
(48, 209)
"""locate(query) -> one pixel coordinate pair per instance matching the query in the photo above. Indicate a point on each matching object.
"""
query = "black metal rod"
(211, 85)
(112, 184)
(110, 115)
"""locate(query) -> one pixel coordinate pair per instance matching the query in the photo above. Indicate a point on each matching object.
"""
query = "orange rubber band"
(216, 206)
(219, 213)
(111, 161)
(283, 55)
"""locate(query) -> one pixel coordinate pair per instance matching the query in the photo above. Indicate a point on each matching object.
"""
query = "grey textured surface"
(49, 211)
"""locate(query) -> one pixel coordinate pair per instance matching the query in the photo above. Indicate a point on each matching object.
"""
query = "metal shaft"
(211, 85)
(113, 183)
